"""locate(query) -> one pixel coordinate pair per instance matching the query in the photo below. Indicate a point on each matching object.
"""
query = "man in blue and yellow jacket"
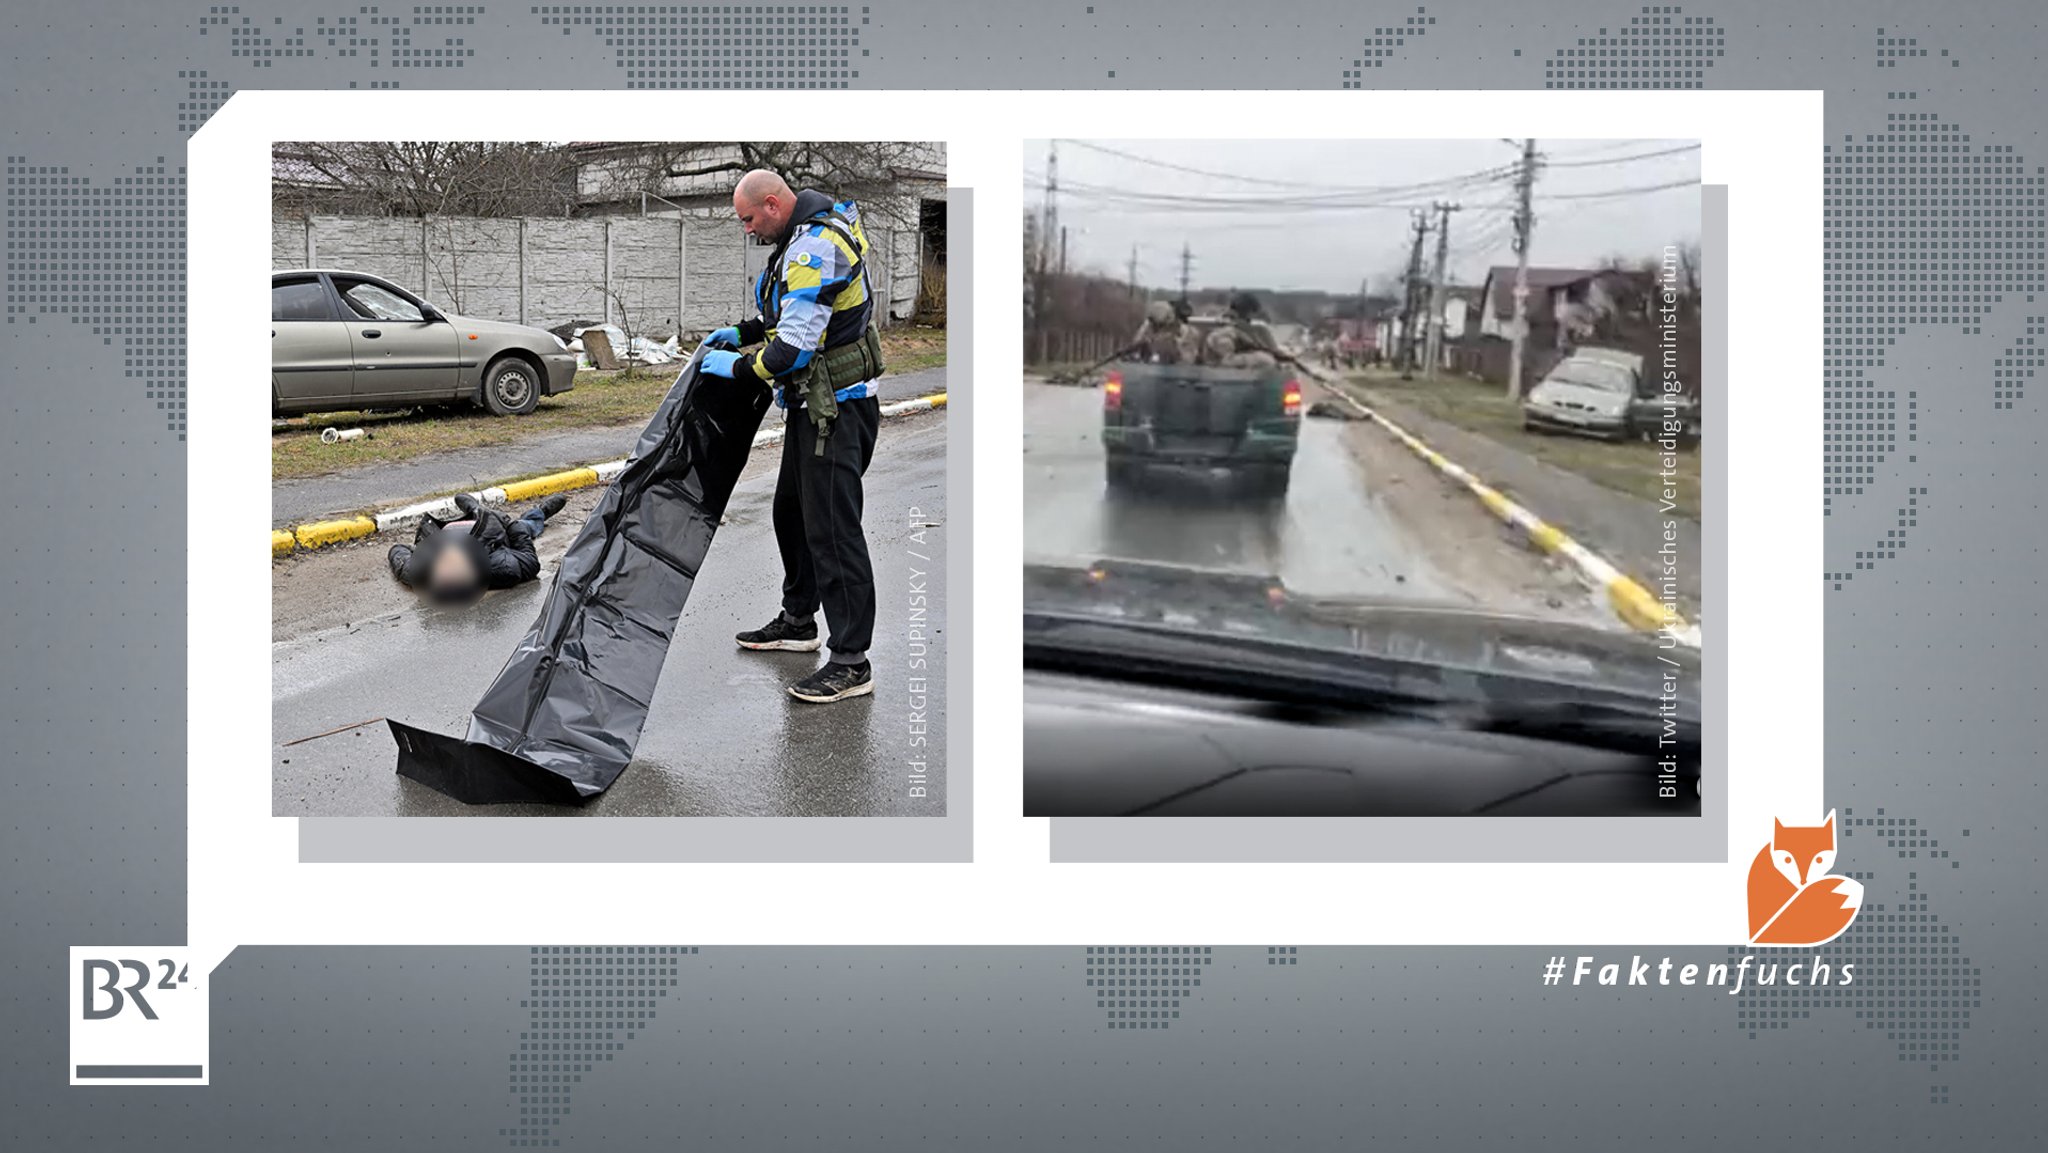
(819, 350)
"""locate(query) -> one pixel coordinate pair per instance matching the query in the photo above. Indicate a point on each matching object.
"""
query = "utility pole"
(1366, 325)
(1051, 228)
(1187, 263)
(1525, 224)
(1063, 250)
(1410, 283)
(1436, 287)
(1131, 279)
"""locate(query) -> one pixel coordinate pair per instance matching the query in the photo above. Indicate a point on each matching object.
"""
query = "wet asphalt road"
(723, 738)
(1363, 518)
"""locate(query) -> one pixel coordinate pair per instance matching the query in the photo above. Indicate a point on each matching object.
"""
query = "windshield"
(1595, 375)
(1325, 502)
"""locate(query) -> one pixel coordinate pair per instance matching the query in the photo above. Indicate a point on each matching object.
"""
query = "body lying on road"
(455, 562)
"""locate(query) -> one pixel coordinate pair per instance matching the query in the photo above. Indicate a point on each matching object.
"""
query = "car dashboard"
(1098, 747)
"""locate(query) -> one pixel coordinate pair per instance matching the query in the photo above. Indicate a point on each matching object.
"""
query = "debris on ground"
(606, 347)
(597, 347)
(1331, 410)
(568, 332)
(329, 733)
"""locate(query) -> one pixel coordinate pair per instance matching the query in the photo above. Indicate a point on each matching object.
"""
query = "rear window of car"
(299, 300)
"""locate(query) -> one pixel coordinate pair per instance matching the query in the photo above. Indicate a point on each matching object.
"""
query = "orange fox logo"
(1792, 899)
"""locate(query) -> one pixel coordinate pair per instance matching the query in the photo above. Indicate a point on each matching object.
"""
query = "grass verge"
(1629, 466)
(599, 400)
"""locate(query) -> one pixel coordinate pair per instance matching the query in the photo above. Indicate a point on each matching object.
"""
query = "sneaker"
(779, 634)
(835, 682)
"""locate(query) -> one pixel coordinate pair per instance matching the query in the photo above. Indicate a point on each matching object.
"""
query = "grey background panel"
(1933, 634)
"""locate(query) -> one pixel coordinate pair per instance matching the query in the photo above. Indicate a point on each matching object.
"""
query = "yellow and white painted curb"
(319, 533)
(1635, 605)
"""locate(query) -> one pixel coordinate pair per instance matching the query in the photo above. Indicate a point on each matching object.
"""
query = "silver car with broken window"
(1591, 395)
(348, 340)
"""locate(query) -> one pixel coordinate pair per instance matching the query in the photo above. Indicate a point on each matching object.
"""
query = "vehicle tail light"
(1113, 392)
(1290, 398)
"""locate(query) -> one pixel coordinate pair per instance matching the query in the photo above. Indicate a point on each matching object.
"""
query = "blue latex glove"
(719, 363)
(727, 337)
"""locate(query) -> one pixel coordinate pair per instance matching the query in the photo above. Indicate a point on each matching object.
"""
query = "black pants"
(818, 503)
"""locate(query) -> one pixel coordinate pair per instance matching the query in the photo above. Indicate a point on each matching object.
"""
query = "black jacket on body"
(501, 547)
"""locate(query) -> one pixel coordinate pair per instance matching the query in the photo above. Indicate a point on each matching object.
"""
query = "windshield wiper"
(1215, 662)
(1315, 683)
(1627, 726)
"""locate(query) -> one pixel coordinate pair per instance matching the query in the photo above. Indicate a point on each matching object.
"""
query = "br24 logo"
(118, 996)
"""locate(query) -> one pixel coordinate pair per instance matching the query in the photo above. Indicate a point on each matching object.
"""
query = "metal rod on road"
(330, 732)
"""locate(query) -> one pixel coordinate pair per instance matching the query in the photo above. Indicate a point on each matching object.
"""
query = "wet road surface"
(1363, 517)
(722, 738)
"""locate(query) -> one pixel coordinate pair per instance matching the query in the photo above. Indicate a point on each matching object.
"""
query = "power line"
(1197, 204)
(1331, 197)
(1613, 192)
(1450, 183)
(1548, 163)
(1254, 180)
(1608, 146)
(1331, 200)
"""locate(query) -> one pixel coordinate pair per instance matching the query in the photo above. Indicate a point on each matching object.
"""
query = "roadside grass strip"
(321, 533)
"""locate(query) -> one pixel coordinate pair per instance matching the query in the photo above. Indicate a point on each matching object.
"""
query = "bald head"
(763, 202)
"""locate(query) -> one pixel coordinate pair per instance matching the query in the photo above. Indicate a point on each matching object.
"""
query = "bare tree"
(1086, 313)
(872, 172)
(1633, 317)
(424, 178)
(631, 331)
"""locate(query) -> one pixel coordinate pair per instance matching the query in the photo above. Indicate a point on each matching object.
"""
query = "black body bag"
(561, 722)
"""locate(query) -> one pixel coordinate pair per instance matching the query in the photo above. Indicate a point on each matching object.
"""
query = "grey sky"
(1350, 234)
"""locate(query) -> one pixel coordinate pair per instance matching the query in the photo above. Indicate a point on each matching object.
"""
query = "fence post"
(681, 265)
(309, 242)
(889, 279)
(522, 270)
(607, 270)
(424, 281)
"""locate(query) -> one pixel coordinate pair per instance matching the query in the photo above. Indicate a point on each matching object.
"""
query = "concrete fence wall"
(654, 275)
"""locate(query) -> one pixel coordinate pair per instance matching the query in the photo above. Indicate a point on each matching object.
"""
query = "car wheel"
(1120, 477)
(511, 387)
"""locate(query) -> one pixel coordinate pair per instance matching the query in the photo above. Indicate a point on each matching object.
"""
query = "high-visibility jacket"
(813, 295)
